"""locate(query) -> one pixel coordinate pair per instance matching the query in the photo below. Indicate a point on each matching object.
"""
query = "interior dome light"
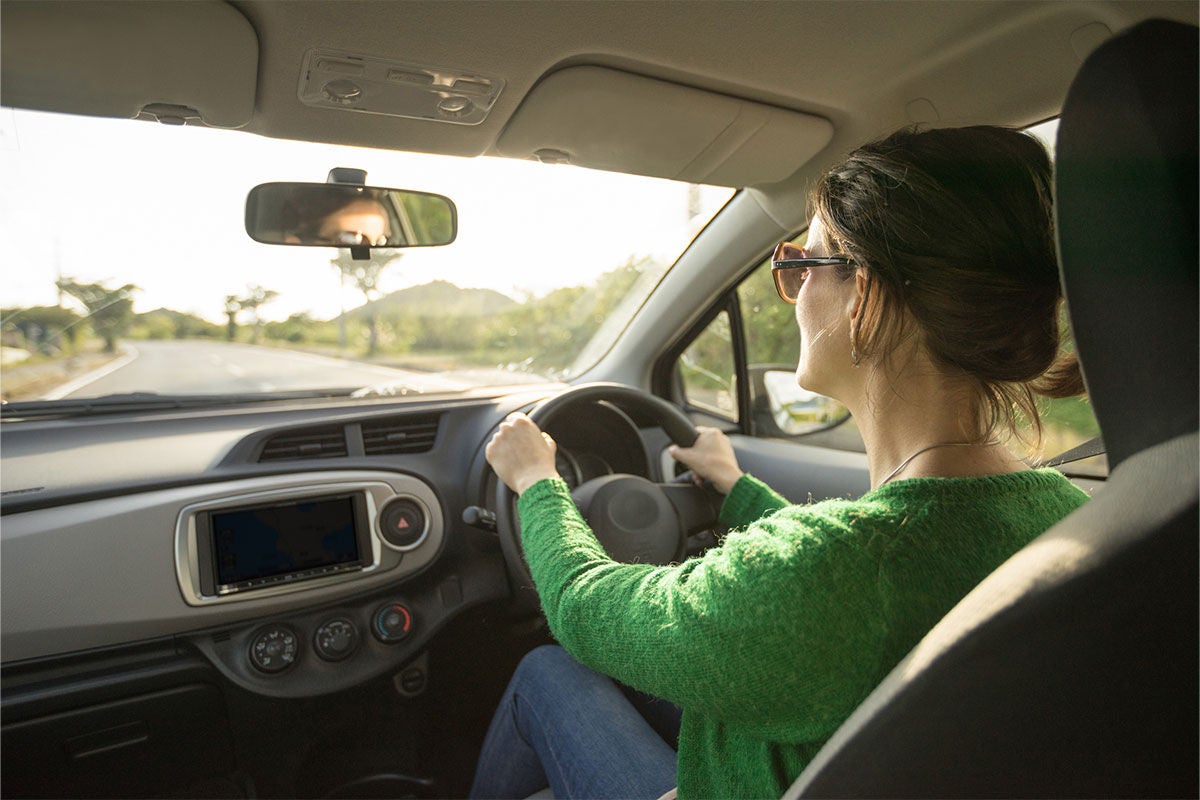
(342, 91)
(368, 84)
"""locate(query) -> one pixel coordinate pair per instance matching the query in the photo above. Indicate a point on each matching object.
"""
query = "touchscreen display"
(296, 537)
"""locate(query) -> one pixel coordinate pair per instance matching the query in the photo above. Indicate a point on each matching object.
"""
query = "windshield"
(127, 268)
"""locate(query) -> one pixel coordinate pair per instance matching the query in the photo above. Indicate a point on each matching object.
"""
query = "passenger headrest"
(1126, 207)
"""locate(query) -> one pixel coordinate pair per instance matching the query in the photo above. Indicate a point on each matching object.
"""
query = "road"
(214, 367)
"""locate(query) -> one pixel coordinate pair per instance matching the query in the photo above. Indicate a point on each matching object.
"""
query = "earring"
(854, 354)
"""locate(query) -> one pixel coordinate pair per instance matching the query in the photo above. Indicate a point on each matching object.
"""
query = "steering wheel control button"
(274, 649)
(392, 623)
(336, 639)
(403, 523)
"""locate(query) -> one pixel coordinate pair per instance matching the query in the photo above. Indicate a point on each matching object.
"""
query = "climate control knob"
(336, 639)
(392, 623)
(274, 649)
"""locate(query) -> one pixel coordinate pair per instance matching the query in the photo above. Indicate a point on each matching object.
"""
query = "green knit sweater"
(769, 641)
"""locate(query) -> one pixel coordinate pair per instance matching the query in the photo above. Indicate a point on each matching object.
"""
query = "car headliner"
(847, 70)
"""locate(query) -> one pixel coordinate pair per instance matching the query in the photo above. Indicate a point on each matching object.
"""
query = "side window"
(773, 343)
(778, 406)
(707, 370)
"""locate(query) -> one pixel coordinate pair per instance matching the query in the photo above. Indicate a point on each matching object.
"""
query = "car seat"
(1072, 670)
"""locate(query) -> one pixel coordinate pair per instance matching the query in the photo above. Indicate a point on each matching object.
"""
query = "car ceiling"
(770, 86)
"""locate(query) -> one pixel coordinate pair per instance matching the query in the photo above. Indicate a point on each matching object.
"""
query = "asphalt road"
(214, 367)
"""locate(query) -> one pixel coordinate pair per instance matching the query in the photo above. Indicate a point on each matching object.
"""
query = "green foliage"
(441, 296)
(1067, 423)
(255, 297)
(771, 332)
(163, 323)
(429, 219)
(301, 328)
(110, 311)
(548, 333)
(707, 368)
(43, 329)
(232, 306)
(466, 327)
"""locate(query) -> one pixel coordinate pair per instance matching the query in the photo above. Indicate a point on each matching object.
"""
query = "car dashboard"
(122, 530)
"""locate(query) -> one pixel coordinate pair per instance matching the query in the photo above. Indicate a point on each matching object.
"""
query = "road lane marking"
(130, 353)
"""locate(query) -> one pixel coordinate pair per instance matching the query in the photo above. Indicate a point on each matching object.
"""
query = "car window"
(707, 370)
(128, 268)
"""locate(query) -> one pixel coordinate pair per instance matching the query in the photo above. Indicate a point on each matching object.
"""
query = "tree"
(109, 310)
(256, 296)
(365, 276)
(232, 306)
(44, 328)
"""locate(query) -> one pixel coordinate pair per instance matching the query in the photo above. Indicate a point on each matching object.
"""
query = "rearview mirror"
(341, 215)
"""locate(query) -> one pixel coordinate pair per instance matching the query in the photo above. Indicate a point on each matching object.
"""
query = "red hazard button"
(403, 523)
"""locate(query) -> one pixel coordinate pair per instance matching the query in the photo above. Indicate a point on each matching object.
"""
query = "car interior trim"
(193, 556)
(150, 591)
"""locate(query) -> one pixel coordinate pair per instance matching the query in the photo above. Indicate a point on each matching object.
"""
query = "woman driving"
(928, 303)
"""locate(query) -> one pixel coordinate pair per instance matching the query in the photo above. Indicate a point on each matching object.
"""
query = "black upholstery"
(1073, 670)
(1127, 217)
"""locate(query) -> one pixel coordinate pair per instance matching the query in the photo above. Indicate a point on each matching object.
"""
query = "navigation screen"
(258, 543)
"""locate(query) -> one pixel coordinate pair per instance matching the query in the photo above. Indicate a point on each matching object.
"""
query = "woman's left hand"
(521, 454)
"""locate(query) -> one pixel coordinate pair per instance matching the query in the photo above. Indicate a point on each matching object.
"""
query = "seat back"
(1073, 670)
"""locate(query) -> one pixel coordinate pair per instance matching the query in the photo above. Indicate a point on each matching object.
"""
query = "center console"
(265, 543)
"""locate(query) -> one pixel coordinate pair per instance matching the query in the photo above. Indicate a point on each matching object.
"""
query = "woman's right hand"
(710, 458)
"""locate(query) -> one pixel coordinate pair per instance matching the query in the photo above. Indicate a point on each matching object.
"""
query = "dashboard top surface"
(52, 461)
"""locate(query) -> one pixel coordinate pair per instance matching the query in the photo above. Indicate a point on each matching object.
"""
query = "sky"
(161, 207)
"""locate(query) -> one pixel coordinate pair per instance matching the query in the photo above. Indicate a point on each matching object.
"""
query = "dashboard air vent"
(400, 435)
(327, 442)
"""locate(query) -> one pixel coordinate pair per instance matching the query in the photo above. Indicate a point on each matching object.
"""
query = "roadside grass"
(39, 375)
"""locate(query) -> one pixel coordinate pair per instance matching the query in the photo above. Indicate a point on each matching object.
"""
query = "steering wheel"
(635, 519)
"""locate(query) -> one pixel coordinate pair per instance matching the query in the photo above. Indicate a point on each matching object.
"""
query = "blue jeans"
(565, 726)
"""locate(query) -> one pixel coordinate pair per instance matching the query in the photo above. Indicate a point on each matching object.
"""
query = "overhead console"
(258, 544)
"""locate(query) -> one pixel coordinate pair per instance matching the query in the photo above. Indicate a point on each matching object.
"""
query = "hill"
(437, 298)
(166, 323)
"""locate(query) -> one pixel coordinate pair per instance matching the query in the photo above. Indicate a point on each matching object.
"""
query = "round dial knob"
(335, 639)
(403, 523)
(274, 649)
(392, 622)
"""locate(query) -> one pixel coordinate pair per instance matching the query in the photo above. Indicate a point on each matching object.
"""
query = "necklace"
(908, 460)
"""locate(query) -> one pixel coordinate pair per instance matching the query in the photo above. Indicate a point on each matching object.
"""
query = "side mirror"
(342, 215)
(789, 409)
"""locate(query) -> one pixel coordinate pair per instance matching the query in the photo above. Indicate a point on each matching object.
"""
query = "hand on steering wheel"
(521, 454)
(711, 459)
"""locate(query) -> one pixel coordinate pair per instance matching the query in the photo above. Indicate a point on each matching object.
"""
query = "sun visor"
(179, 61)
(612, 120)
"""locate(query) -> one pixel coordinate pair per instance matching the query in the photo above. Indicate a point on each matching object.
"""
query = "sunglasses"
(354, 238)
(790, 265)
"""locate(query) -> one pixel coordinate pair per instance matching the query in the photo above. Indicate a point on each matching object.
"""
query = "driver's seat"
(1072, 670)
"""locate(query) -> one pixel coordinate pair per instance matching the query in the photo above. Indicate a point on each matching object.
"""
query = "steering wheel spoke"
(696, 506)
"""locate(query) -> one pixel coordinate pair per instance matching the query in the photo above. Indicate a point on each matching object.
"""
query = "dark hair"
(955, 227)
